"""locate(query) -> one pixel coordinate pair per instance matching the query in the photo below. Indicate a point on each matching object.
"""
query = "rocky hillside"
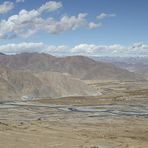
(16, 84)
(78, 66)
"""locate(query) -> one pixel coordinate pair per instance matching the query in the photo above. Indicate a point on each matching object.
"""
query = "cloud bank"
(137, 49)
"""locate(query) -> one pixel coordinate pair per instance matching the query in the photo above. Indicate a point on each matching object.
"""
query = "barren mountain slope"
(16, 84)
(64, 85)
(77, 66)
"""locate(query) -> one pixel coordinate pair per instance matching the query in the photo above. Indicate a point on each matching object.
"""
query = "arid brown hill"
(78, 66)
(20, 84)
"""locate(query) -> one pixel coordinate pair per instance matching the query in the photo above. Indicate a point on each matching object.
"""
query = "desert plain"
(116, 119)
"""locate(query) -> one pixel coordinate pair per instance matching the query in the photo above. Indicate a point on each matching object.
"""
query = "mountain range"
(38, 75)
(137, 65)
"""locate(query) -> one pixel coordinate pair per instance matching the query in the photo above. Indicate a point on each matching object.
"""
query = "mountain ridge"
(78, 66)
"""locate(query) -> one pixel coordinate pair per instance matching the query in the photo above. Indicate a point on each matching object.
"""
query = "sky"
(74, 27)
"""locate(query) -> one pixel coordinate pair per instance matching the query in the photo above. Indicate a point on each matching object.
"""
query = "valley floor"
(117, 119)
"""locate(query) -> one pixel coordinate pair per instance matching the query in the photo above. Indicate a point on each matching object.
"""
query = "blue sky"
(90, 27)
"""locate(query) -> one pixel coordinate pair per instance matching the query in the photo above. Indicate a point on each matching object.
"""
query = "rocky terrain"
(115, 119)
(25, 85)
(36, 75)
(78, 66)
(76, 102)
(134, 64)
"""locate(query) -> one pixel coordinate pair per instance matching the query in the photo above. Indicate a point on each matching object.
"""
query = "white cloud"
(139, 46)
(6, 7)
(65, 23)
(105, 15)
(93, 25)
(19, 25)
(20, 1)
(81, 49)
(50, 6)
(84, 48)
(107, 50)
(56, 50)
(26, 23)
(22, 47)
(138, 49)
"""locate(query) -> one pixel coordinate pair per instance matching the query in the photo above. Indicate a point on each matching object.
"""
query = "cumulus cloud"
(65, 23)
(100, 50)
(137, 49)
(50, 6)
(20, 24)
(56, 50)
(6, 7)
(92, 49)
(139, 46)
(84, 48)
(105, 15)
(22, 47)
(93, 25)
(33, 47)
(26, 23)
